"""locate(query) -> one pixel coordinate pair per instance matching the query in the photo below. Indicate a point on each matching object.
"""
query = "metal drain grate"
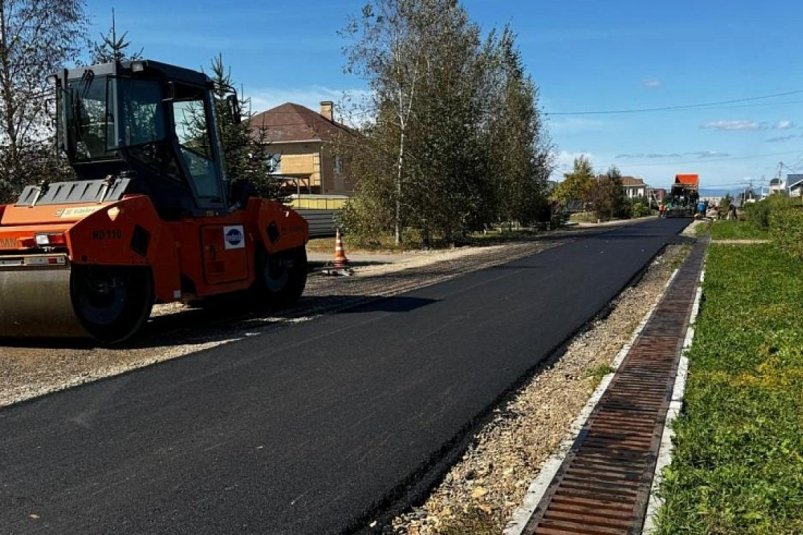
(603, 485)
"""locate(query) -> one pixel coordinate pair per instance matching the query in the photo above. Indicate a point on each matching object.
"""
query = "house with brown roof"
(634, 187)
(302, 144)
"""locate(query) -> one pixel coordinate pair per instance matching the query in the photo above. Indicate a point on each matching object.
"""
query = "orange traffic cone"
(341, 262)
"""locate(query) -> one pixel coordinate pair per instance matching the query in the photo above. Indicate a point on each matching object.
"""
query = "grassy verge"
(703, 229)
(738, 462)
(737, 230)
(386, 243)
(583, 217)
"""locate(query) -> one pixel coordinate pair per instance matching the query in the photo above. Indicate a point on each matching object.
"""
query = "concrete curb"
(539, 485)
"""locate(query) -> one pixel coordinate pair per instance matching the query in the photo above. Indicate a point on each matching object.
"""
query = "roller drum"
(36, 302)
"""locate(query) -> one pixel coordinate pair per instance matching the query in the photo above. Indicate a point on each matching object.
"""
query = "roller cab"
(152, 217)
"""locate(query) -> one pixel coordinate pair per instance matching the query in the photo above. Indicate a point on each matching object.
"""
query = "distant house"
(777, 185)
(301, 142)
(634, 187)
(794, 185)
(659, 194)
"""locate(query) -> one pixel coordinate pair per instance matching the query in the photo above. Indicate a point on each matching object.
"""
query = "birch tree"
(37, 38)
(451, 117)
(386, 52)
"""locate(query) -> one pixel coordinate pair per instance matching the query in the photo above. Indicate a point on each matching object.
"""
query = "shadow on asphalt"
(228, 319)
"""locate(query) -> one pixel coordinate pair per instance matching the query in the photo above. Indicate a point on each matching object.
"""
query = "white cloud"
(663, 155)
(746, 125)
(733, 125)
(710, 154)
(780, 139)
(652, 83)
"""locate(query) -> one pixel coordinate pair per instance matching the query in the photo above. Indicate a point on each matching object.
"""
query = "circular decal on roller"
(234, 237)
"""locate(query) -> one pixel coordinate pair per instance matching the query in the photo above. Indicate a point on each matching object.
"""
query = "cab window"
(192, 131)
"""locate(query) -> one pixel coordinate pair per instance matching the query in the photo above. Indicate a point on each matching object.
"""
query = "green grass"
(583, 217)
(382, 244)
(738, 462)
(598, 372)
(386, 242)
(498, 236)
(678, 259)
(703, 229)
(737, 230)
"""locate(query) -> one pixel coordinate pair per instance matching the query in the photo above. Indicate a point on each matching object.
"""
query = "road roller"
(151, 216)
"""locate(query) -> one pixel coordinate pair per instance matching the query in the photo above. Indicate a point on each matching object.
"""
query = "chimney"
(327, 109)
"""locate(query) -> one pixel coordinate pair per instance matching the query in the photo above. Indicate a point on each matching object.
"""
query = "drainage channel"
(603, 485)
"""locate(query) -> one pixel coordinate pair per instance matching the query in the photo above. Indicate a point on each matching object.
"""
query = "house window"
(338, 164)
(274, 163)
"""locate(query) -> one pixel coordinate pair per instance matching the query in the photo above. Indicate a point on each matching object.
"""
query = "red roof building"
(301, 142)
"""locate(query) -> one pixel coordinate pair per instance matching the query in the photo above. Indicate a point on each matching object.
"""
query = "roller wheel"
(281, 277)
(111, 302)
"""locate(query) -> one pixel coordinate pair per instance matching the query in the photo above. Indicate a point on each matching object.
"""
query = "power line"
(679, 107)
(700, 161)
(754, 105)
(796, 164)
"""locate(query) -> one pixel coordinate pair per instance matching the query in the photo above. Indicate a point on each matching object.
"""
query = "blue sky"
(584, 55)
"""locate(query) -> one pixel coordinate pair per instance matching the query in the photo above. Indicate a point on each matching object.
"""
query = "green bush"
(363, 221)
(639, 208)
(758, 213)
(786, 228)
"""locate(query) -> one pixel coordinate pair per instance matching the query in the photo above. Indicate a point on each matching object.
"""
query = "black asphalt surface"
(318, 427)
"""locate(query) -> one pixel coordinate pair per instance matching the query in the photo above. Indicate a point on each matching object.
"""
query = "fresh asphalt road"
(313, 428)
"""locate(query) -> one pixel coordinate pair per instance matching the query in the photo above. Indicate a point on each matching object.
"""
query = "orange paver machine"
(683, 195)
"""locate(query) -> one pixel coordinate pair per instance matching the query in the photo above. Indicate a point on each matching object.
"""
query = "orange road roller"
(152, 217)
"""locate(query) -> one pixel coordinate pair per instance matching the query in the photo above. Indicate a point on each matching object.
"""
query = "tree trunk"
(399, 188)
(8, 104)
